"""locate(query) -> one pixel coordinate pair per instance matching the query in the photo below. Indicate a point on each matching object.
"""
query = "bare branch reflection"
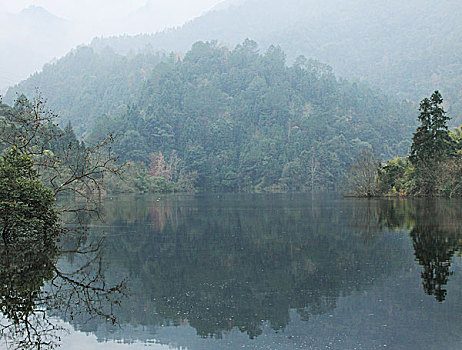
(35, 288)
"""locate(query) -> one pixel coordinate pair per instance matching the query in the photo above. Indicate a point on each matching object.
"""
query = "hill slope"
(408, 48)
(85, 84)
(242, 121)
(225, 120)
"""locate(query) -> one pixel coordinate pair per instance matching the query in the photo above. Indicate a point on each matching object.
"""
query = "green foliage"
(431, 140)
(226, 120)
(88, 83)
(434, 166)
(393, 177)
(65, 164)
(362, 39)
(136, 179)
(431, 145)
(244, 121)
(26, 207)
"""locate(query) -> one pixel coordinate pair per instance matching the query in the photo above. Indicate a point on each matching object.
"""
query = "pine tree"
(431, 142)
(431, 145)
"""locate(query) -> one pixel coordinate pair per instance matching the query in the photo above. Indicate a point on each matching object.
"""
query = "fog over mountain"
(407, 48)
(229, 174)
(46, 30)
(26, 53)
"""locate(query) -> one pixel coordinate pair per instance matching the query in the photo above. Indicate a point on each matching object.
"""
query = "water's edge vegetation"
(219, 195)
(433, 167)
(224, 120)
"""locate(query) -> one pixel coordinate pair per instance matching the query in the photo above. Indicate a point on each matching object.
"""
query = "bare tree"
(363, 174)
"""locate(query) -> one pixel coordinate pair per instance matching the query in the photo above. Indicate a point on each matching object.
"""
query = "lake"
(272, 271)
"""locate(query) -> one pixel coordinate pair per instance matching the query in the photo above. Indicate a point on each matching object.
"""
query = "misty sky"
(32, 40)
(177, 11)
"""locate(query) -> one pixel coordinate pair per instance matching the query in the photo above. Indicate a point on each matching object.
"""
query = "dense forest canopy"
(237, 120)
(225, 120)
(408, 48)
(85, 84)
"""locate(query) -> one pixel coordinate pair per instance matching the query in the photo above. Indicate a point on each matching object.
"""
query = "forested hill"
(85, 84)
(408, 48)
(224, 120)
(243, 121)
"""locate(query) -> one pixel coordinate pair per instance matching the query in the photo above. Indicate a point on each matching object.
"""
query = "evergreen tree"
(431, 145)
(431, 141)
(26, 206)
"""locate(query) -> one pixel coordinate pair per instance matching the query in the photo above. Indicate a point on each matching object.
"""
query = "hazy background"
(33, 32)
(371, 41)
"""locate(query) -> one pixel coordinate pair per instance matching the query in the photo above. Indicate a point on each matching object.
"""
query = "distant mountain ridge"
(407, 48)
(35, 36)
(38, 12)
(24, 53)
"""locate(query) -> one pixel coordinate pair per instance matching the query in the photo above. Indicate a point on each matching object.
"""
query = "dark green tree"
(431, 144)
(431, 140)
(26, 206)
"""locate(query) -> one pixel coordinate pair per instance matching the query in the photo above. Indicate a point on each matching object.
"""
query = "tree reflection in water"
(33, 288)
(436, 236)
(220, 265)
(238, 264)
(435, 228)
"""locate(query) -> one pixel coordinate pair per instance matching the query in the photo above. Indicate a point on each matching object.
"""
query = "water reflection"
(435, 227)
(26, 261)
(436, 236)
(222, 264)
(34, 286)
(219, 264)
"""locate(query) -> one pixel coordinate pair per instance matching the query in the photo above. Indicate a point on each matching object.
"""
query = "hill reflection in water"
(248, 262)
(281, 272)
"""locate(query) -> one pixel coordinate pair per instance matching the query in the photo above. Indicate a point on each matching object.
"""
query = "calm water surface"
(275, 272)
